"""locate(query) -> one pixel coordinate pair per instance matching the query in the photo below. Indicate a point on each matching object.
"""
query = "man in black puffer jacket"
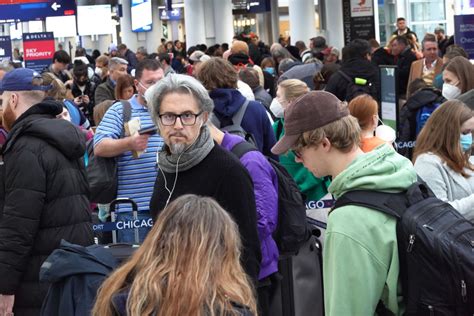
(43, 192)
(355, 64)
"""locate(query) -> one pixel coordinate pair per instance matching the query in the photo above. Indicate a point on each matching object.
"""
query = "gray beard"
(177, 149)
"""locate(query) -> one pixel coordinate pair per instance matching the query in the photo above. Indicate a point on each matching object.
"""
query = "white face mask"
(98, 71)
(386, 133)
(276, 108)
(450, 91)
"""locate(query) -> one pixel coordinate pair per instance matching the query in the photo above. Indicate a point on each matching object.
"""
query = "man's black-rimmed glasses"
(187, 118)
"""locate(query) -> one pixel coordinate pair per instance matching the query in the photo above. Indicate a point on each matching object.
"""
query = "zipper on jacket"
(463, 291)
(431, 309)
(411, 242)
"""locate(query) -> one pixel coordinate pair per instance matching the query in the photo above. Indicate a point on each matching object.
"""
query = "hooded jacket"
(265, 187)
(228, 101)
(75, 274)
(43, 199)
(408, 116)
(361, 250)
(356, 67)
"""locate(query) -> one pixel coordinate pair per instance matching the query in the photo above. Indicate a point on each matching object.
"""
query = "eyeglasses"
(187, 119)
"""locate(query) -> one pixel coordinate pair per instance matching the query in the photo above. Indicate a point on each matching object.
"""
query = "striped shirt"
(136, 177)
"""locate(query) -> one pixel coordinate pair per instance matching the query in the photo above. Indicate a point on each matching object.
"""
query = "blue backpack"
(424, 114)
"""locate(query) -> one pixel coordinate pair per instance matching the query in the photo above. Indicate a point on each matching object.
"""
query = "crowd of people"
(212, 250)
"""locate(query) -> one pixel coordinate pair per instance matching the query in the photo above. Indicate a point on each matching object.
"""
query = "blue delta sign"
(27, 10)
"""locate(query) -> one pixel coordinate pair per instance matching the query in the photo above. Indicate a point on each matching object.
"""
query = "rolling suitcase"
(121, 251)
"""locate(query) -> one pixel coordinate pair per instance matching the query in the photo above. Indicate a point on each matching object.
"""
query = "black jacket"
(220, 176)
(43, 199)
(360, 68)
(89, 90)
(75, 274)
(408, 32)
(404, 61)
(408, 116)
(132, 60)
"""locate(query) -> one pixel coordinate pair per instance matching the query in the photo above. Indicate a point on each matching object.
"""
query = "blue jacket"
(265, 183)
(75, 274)
(228, 101)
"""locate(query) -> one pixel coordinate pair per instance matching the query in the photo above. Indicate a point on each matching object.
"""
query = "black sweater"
(220, 176)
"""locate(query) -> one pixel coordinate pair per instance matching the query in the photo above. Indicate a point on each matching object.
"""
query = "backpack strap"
(345, 76)
(239, 115)
(126, 114)
(393, 204)
(242, 148)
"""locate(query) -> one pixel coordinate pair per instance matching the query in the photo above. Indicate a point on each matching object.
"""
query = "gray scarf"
(191, 157)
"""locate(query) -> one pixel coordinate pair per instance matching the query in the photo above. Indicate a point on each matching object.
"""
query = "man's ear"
(205, 117)
(326, 144)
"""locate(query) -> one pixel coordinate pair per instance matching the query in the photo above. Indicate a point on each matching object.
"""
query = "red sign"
(38, 50)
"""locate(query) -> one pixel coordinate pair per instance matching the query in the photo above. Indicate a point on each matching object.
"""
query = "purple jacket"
(265, 184)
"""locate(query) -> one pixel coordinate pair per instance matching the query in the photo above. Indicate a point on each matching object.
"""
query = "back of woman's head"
(441, 135)
(58, 89)
(189, 264)
(363, 108)
(292, 89)
(123, 82)
(463, 69)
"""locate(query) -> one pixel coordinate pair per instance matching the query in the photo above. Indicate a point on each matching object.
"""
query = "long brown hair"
(441, 135)
(463, 69)
(189, 264)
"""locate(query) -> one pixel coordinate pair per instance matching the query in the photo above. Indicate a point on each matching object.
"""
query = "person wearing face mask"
(312, 188)
(191, 163)
(83, 89)
(442, 153)
(458, 77)
(136, 176)
(269, 75)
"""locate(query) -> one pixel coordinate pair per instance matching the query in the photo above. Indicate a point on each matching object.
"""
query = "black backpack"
(292, 230)
(102, 171)
(356, 86)
(435, 246)
(236, 126)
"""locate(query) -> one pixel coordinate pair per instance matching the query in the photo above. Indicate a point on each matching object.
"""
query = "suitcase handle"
(118, 201)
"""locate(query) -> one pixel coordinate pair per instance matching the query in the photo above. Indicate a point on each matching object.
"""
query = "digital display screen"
(94, 20)
(27, 10)
(62, 26)
(141, 15)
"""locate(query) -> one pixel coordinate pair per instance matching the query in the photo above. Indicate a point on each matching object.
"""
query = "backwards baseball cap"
(310, 111)
(21, 79)
(198, 56)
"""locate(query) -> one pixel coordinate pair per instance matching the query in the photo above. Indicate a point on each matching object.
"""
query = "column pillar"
(334, 23)
(194, 22)
(154, 36)
(223, 21)
(302, 22)
(275, 21)
(264, 27)
(127, 36)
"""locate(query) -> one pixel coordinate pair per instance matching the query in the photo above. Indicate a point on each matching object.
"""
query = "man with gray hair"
(180, 106)
(141, 53)
(106, 90)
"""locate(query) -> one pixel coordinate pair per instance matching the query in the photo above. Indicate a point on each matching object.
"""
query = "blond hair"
(189, 264)
(293, 88)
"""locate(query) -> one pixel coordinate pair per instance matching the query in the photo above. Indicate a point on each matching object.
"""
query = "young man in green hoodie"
(360, 257)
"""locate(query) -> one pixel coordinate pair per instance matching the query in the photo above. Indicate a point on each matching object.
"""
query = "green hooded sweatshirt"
(360, 257)
(313, 188)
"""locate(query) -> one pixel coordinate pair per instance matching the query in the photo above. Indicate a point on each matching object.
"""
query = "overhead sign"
(173, 15)
(38, 50)
(141, 15)
(5, 48)
(464, 33)
(358, 19)
(26, 10)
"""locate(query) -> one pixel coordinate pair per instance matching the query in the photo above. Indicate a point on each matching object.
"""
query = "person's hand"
(139, 142)
(85, 99)
(78, 100)
(6, 304)
(69, 83)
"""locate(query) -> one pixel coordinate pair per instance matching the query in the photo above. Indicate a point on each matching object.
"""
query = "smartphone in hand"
(149, 130)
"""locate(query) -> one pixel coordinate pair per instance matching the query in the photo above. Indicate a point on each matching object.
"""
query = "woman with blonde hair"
(288, 91)
(442, 153)
(365, 109)
(189, 264)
